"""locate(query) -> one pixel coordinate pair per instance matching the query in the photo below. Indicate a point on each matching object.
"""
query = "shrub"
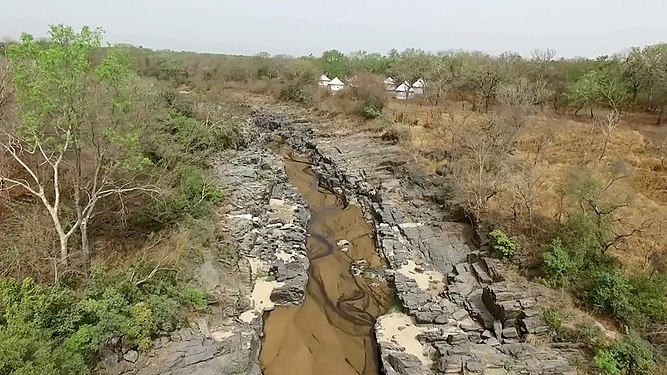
(631, 356)
(50, 330)
(649, 296)
(370, 112)
(28, 350)
(609, 292)
(197, 297)
(502, 245)
(396, 133)
(554, 320)
(605, 360)
(296, 91)
(557, 263)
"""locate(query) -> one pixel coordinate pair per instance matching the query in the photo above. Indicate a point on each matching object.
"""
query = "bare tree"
(541, 60)
(527, 189)
(484, 74)
(480, 162)
(519, 100)
(607, 126)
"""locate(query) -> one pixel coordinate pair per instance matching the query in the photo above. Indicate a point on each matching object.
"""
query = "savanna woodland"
(108, 199)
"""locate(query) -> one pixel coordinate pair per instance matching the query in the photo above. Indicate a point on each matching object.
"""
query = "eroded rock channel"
(331, 331)
(303, 230)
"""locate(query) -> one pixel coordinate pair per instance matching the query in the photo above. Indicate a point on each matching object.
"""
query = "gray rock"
(404, 364)
(460, 314)
(486, 334)
(204, 328)
(131, 356)
(510, 333)
(492, 341)
(498, 329)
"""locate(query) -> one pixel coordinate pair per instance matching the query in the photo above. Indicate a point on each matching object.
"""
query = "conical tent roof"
(389, 81)
(403, 87)
(336, 81)
(419, 83)
(323, 77)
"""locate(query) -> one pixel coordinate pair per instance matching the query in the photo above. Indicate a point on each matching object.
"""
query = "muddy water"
(331, 332)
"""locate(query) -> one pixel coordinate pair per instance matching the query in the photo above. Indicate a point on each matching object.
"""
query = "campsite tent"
(324, 80)
(336, 84)
(404, 91)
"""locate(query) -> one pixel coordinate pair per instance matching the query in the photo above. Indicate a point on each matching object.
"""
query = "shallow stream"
(331, 332)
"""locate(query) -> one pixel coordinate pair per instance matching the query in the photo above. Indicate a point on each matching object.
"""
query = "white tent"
(324, 80)
(336, 84)
(390, 84)
(404, 91)
(419, 86)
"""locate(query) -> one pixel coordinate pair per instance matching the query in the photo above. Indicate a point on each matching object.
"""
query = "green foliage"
(502, 245)
(631, 356)
(180, 138)
(197, 297)
(51, 330)
(649, 296)
(28, 351)
(334, 64)
(606, 361)
(606, 87)
(554, 320)
(609, 291)
(557, 263)
(370, 112)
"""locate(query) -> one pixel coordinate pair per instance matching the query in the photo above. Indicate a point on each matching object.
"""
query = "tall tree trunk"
(85, 245)
(62, 237)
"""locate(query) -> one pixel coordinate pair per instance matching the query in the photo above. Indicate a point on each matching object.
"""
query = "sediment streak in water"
(331, 332)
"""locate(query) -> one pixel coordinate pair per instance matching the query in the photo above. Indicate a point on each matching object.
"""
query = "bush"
(51, 330)
(557, 263)
(370, 112)
(608, 291)
(197, 297)
(605, 360)
(396, 133)
(631, 356)
(295, 91)
(554, 320)
(502, 245)
(649, 296)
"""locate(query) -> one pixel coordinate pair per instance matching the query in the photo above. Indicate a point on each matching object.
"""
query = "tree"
(484, 74)
(584, 92)
(334, 63)
(442, 75)
(78, 121)
(519, 100)
(607, 126)
(480, 162)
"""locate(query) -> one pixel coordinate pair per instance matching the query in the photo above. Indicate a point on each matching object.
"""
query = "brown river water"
(331, 332)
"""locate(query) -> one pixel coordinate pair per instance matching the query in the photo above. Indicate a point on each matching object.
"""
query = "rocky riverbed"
(460, 314)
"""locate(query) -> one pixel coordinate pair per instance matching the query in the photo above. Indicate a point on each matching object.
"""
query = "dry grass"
(574, 145)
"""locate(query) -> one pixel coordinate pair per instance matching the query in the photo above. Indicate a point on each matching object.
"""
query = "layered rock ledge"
(460, 314)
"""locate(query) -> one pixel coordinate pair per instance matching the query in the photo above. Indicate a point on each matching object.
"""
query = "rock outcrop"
(264, 222)
(463, 315)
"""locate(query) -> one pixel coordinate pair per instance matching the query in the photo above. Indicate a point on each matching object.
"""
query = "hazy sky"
(300, 27)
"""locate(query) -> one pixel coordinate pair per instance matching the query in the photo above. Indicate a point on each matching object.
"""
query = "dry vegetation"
(564, 157)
